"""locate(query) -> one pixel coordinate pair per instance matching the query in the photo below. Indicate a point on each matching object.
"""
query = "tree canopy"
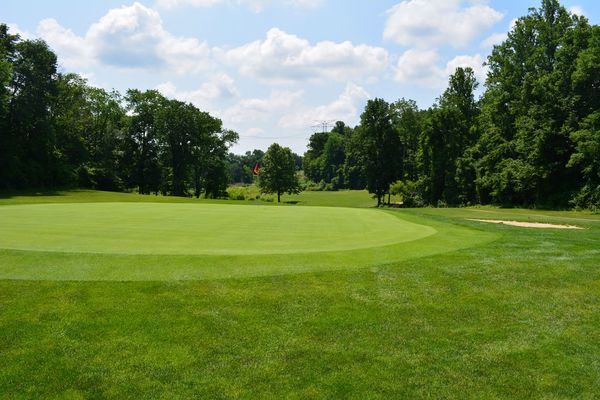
(57, 131)
(531, 139)
(278, 172)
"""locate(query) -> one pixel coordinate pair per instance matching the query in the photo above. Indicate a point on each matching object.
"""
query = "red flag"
(256, 169)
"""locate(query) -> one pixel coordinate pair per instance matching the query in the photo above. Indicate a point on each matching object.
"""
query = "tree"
(8, 156)
(278, 172)
(586, 99)
(33, 90)
(312, 160)
(141, 147)
(378, 148)
(527, 114)
(450, 132)
(407, 120)
(216, 178)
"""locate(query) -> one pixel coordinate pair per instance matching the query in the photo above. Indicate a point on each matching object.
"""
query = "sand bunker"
(527, 224)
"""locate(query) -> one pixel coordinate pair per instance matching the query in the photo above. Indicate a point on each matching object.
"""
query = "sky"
(272, 70)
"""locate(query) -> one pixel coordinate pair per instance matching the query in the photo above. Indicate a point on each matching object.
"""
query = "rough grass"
(515, 317)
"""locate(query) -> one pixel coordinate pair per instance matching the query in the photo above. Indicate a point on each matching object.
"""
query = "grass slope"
(515, 317)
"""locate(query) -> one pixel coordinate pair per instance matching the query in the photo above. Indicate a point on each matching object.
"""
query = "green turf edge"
(34, 265)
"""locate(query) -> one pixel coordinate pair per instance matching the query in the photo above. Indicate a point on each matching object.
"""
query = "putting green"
(206, 229)
(174, 241)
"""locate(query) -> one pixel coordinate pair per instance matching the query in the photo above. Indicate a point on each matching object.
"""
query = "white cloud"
(73, 51)
(134, 36)
(421, 67)
(475, 62)
(577, 10)
(254, 5)
(193, 3)
(418, 66)
(493, 40)
(427, 23)
(127, 37)
(256, 110)
(344, 108)
(283, 57)
(498, 38)
(14, 29)
(209, 96)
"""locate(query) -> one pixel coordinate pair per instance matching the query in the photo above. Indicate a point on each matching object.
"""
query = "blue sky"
(270, 69)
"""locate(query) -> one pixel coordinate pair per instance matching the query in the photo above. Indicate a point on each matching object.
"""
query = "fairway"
(110, 295)
(210, 229)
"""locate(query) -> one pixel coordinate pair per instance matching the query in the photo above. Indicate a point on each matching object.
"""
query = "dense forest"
(57, 131)
(531, 139)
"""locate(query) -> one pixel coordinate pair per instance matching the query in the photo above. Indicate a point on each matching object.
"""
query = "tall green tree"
(278, 172)
(527, 117)
(8, 156)
(140, 161)
(378, 148)
(312, 162)
(33, 90)
(586, 112)
(215, 176)
(408, 122)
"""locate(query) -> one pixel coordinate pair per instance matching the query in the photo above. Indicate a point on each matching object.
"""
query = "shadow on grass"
(291, 202)
(32, 193)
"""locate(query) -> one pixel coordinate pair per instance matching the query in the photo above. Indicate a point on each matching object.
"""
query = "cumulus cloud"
(255, 5)
(345, 108)
(418, 66)
(127, 37)
(429, 23)
(221, 88)
(283, 57)
(133, 37)
(73, 50)
(421, 67)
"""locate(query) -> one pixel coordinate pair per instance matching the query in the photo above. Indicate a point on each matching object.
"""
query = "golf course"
(114, 295)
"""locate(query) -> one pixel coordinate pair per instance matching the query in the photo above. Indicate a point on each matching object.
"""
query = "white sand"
(527, 224)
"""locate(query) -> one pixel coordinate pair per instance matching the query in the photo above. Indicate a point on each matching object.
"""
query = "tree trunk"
(278, 197)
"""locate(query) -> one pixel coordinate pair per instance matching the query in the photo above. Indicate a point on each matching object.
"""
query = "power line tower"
(324, 124)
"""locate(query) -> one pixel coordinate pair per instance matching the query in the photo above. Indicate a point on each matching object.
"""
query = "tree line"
(58, 131)
(531, 139)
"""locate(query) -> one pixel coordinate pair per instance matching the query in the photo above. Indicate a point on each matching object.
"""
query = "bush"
(409, 193)
(587, 198)
(243, 192)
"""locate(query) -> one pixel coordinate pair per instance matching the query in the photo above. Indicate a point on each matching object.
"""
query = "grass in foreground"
(513, 318)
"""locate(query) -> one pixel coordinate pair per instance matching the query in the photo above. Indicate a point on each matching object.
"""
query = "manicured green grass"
(343, 198)
(199, 229)
(157, 241)
(493, 312)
